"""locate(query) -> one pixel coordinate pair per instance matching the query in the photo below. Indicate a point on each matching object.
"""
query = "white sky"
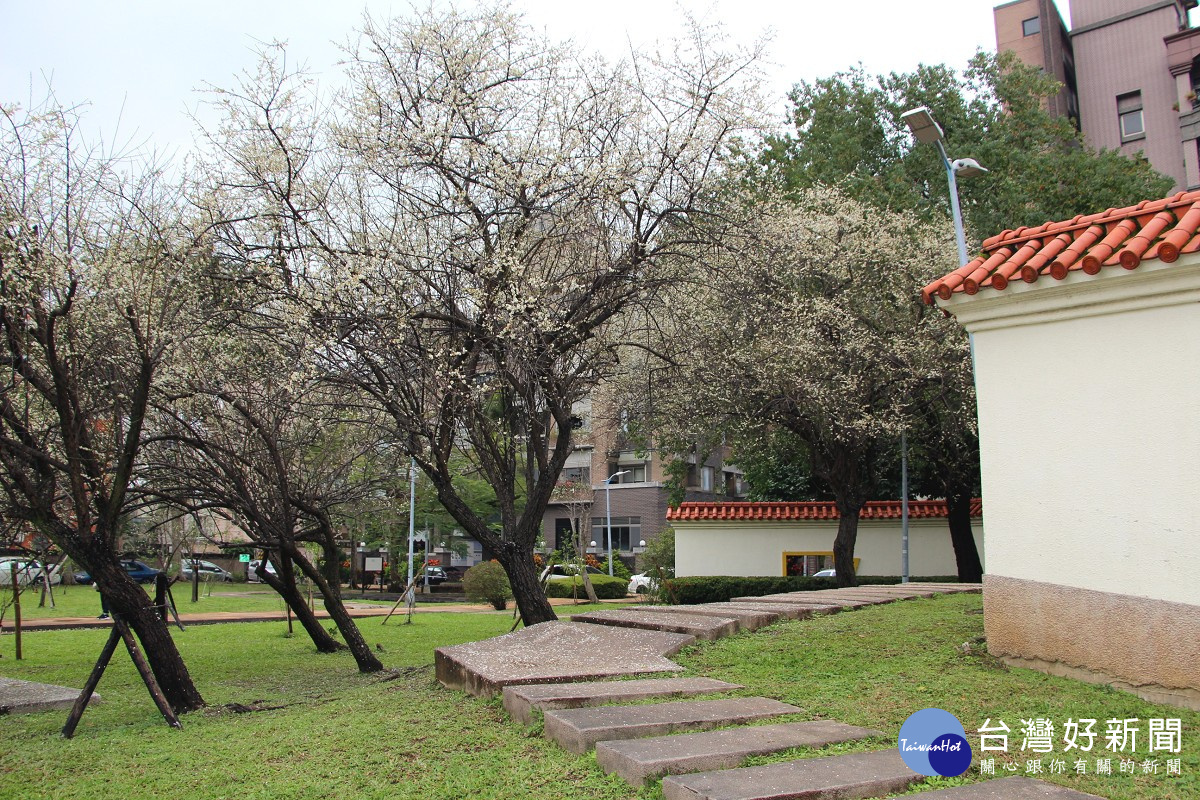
(140, 61)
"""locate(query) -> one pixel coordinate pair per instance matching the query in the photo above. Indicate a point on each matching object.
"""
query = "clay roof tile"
(1153, 229)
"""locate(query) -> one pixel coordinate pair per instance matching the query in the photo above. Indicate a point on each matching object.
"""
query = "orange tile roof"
(808, 511)
(1155, 229)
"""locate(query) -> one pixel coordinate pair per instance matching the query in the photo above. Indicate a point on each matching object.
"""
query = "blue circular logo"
(933, 742)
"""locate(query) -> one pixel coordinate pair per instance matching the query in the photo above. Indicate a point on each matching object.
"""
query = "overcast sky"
(141, 61)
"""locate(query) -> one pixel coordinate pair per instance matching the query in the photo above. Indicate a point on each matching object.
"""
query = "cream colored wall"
(757, 548)
(1089, 408)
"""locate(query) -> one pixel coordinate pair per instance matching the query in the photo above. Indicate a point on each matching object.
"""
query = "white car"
(825, 573)
(560, 572)
(252, 571)
(642, 584)
(29, 570)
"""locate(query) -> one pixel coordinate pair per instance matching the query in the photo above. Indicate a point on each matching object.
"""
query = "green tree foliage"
(848, 132)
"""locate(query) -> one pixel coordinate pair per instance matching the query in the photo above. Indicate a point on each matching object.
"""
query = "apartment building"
(1129, 69)
(613, 473)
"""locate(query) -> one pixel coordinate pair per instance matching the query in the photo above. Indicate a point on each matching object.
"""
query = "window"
(576, 475)
(1129, 114)
(1031, 26)
(809, 563)
(706, 479)
(626, 532)
(634, 473)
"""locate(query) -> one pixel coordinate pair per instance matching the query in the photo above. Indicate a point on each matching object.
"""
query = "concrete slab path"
(519, 701)
(578, 729)
(556, 652)
(27, 697)
(1014, 788)
(856, 775)
(640, 760)
(709, 628)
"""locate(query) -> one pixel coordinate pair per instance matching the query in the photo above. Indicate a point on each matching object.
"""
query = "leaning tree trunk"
(966, 554)
(331, 595)
(285, 585)
(128, 600)
(527, 589)
(583, 573)
(843, 544)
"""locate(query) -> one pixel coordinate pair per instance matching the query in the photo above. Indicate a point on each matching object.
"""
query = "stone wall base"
(1137, 644)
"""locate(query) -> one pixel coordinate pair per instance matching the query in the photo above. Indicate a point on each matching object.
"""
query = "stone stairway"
(697, 746)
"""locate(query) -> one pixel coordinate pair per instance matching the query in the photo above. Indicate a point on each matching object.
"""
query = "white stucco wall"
(1089, 408)
(757, 548)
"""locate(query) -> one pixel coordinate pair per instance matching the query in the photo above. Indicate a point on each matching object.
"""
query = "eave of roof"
(1158, 229)
(809, 511)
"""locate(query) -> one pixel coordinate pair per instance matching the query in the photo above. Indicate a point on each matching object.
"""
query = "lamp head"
(922, 125)
(967, 168)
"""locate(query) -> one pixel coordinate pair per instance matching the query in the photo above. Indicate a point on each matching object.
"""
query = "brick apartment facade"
(1130, 69)
(636, 499)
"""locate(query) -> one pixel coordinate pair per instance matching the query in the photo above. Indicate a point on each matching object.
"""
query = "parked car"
(642, 584)
(825, 573)
(29, 570)
(142, 573)
(436, 575)
(252, 571)
(563, 571)
(207, 571)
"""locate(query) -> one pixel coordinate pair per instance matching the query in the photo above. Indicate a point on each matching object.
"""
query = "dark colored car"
(436, 575)
(142, 573)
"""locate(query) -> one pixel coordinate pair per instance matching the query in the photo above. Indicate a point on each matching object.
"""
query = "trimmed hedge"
(607, 588)
(721, 588)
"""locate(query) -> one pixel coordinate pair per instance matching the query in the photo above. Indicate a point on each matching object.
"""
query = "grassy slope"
(349, 735)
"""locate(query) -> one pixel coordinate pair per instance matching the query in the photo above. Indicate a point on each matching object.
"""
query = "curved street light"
(608, 514)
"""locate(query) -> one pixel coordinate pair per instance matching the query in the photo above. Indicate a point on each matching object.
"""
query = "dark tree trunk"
(843, 545)
(966, 554)
(131, 602)
(331, 594)
(287, 589)
(527, 590)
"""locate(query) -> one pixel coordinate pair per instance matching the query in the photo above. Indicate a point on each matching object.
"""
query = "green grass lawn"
(83, 601)
(339, 733)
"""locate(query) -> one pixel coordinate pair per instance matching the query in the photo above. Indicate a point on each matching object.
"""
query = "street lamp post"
(608, 513)
(926, 131)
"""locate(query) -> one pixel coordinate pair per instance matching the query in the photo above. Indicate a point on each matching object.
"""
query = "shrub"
(721, 588)
(606, 588)
(619, 568)
(487, 583)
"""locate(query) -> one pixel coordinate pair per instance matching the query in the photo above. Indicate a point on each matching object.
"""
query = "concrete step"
(578, 729)
(1014, 788)
(856, 775)
(641, 760)
(748, 619)
(520, 701)
(690, 624)
(826, 604)
(786, 610)
(950, 588)
(556, 652)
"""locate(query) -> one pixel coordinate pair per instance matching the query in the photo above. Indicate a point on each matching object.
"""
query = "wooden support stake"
(89, 688)
(174, 608)
(143, 668)
(16, 606)
(406, 595)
